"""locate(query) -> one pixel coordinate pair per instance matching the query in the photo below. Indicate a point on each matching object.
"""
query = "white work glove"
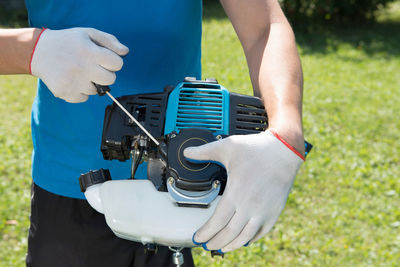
(261, 169)
(70, 61)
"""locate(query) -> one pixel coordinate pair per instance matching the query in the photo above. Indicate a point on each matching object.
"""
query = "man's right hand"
(70, 61)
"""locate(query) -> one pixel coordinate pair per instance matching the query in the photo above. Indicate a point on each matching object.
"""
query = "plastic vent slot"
(200, 108)
(146, 110)
(250, 117)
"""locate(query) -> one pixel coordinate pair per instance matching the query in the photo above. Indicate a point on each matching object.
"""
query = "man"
(164, 38)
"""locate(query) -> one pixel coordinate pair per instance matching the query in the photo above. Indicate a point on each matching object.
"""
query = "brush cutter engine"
(178, 196)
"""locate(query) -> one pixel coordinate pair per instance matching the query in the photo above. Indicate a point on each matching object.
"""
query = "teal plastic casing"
(198, 105)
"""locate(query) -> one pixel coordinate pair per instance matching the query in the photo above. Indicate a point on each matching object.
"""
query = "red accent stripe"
(287, 144)
(34, 48)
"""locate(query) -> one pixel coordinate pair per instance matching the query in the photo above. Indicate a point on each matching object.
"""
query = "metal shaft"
(135, 154)
(133, 119)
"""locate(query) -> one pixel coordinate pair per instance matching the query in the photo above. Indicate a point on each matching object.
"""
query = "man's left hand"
(261, 169)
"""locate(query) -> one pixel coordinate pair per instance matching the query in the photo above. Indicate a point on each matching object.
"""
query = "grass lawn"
(344, 206)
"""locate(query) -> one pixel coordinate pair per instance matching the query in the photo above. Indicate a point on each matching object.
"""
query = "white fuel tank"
(136, 211)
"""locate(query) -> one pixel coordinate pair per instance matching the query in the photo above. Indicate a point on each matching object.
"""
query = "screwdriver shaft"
(133, 119)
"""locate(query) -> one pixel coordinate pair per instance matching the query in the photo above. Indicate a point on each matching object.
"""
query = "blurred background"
(344, 205)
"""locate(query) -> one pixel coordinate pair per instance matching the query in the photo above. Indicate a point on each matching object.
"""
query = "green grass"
(344, 206)
(16, 95)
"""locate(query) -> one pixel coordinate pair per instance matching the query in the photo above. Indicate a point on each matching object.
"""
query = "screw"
(218, 137)
(173, 135)
(171, 180)
(215, 184)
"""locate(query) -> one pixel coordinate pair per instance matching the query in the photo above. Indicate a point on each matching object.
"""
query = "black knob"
(94, 177)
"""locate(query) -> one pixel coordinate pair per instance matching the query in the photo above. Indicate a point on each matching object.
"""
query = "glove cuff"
(287, 144)
(34, 48)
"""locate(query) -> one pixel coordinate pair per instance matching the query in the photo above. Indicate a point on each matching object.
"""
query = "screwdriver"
(102, 90)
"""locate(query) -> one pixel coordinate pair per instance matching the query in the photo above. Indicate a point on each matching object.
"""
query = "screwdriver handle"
(102, 89)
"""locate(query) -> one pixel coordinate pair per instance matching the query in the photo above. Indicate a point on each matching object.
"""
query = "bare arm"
(275, 69)
(16, 46)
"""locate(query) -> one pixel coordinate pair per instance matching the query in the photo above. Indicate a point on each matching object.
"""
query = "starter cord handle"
(102, 90)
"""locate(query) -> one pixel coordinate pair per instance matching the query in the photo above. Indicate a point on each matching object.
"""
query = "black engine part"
(189, 175)
(94, 177)
(119, 131)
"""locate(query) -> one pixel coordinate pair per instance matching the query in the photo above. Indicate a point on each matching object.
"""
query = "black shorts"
(69, 232)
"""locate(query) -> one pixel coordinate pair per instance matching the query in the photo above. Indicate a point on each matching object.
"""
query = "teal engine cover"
(198, 104)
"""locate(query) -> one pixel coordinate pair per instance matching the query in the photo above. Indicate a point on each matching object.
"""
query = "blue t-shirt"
(164, 38)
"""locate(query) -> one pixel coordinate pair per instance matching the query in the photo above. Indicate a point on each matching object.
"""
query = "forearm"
(16, 49)
(275, 70)
(276, 75)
